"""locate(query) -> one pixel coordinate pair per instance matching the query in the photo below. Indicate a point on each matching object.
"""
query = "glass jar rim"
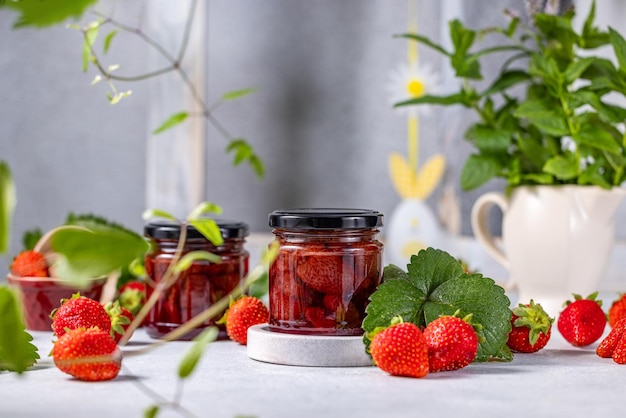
(167, 229)
(325, 218)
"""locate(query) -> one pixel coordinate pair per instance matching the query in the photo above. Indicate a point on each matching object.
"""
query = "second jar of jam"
(200, 286)
(329, 263)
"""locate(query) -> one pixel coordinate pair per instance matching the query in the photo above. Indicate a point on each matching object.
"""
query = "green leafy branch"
(562, 131)
(90, 35)
(51, 12)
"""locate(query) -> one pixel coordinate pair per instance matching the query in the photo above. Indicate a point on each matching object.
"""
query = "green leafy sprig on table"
(436, 285)
(560, 130)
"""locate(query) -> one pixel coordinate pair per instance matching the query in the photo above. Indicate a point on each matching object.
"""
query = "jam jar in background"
(200, 286)
(329, 263)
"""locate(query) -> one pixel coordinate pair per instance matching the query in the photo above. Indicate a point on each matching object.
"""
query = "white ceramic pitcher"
(556, 240)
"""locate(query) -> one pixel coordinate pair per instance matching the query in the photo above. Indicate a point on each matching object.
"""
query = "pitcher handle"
(480, 226)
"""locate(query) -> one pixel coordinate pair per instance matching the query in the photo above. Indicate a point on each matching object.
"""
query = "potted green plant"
(546, 127)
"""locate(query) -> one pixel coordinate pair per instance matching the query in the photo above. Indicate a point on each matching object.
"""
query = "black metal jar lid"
(325, 218)
(166, 229)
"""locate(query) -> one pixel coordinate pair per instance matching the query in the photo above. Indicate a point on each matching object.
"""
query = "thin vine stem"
(174, 62)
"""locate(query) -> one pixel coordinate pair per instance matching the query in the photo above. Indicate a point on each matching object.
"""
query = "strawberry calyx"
(534, 317)
(468, 319)
(592, 296)
(118, 318)
(394, 321)
(63, 301)
(224, 318)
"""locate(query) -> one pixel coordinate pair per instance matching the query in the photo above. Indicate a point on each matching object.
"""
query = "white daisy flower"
(412, 81)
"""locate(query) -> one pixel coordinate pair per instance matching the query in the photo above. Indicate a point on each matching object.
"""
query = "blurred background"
(321, 121)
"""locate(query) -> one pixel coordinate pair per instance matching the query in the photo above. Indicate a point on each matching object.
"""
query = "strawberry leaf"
(436, 285)
(16, 351)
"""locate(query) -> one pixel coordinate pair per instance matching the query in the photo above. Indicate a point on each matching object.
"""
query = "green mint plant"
(545, 118)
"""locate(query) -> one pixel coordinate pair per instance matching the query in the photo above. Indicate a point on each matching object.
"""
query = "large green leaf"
(7, 205)
(619, 46)
(456, 98)
(426, 41)
(563, 167)
(435, 285)
(478, 170)
(40, 13)
(86, 254)
(596, 137)
(541, 114)
(489, 139)
(506, 80)
(16, 351)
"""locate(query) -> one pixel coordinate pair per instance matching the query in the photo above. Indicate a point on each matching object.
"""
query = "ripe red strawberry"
(582, 322)
(400, 350)
(241, 315)
(133, 296)
(530, 328)
(324, 273)
(606, 348)
(452, 343)
(29, 264)
(120, 319)
(619, 355)
(79, 312)
(87, 354)
(617, 311)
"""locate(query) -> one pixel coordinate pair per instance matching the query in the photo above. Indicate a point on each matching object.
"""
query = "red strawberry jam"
(329, 263)
(203, 284)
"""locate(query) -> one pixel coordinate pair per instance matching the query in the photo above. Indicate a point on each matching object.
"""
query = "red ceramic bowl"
(40, 295)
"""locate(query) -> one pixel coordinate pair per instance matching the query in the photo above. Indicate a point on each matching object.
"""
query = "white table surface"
(559, 381)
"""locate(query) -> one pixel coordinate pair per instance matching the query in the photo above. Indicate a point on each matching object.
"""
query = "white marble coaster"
(306, 350)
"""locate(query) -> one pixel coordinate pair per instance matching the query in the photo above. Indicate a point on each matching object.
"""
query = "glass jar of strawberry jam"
(200, 286)
(328, 265)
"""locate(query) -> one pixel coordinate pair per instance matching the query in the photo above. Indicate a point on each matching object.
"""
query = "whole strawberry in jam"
(530, 328)
(617, 311)
(87, 354)
(582, 321)
(79, 312)
(452, 343)
(30, 264)
(241, 315)
(400, 350)
(324, 273)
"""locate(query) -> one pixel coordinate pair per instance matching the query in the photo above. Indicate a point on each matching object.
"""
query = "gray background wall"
(322, 121)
